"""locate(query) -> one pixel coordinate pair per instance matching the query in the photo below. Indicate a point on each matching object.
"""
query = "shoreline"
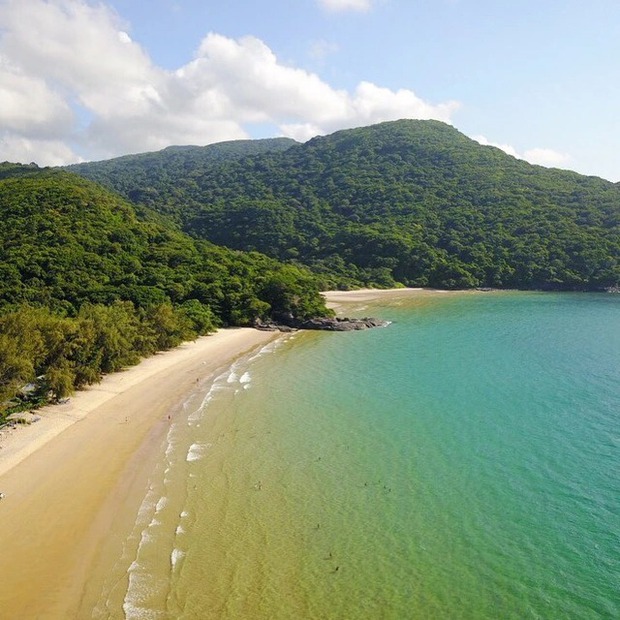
(334, 299)
(74, 480)
(356, 300)
(69, 477)
(21, 440)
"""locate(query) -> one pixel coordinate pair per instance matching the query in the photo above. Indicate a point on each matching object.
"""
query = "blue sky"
(90, 80)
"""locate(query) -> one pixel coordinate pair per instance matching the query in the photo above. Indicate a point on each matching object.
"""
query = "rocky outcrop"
(330, 324)
(337, 324)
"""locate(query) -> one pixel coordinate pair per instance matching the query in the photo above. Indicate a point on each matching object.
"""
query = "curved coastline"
(75, 478)
(67, 477)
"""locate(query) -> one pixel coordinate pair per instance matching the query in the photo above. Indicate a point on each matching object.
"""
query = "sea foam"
(196, 452)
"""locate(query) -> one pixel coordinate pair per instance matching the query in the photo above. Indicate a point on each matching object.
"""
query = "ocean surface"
(462, 463)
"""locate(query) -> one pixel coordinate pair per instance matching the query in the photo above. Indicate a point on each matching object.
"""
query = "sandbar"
(67, 477)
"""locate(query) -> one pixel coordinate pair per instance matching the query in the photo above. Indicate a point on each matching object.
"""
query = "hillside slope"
(411, 202)
(65, 241)
(87, 287)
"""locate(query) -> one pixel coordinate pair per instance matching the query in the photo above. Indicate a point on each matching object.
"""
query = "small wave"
(138, 591)
(148, 504)
(196, 452)
(141, 585)
(175, 557)
(134, 612)
(161, 504)
(268, 348)
(233, 377)
(216, 387)
(145, 538)
(245, 378)
(171, 443)
(196, 415)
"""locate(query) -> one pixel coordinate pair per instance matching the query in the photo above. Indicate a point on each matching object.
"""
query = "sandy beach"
(355, 301)
(74, 480)
(70, 476)
(366, 294)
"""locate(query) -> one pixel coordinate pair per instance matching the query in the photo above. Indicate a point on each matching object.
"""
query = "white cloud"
(346, 5)
(249, 77)
(15, 148)
(539, 156)
(29, 106)
(373, 104)
(504, 147)
(75, 84)
(301, 132)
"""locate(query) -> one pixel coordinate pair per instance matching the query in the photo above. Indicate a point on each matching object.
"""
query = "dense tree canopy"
(87, 287)
(410, 202)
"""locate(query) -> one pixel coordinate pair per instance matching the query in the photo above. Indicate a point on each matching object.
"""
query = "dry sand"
(69, 477)
(367, 294)
(355, 301)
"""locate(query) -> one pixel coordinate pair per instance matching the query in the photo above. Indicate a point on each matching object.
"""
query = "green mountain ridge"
(150, 169)
(415, 203)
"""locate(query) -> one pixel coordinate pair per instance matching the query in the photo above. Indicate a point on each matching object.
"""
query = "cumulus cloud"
(539, 156)
(17, 148)
(75, 85)
(30, 106)
(346, 5)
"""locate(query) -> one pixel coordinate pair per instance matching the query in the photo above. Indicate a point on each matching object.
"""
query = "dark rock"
(332, 324)
(271, 326)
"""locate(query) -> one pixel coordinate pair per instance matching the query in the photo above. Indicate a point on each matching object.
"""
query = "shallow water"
(461, 463)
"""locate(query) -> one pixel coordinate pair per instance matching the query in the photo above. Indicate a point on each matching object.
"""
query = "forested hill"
(411, 202)
(87, 287)
(135, 176)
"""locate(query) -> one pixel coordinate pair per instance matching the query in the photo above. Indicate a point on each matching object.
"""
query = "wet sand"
(72, 477)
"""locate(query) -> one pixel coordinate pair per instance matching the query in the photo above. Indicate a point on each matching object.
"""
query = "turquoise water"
(462, 463)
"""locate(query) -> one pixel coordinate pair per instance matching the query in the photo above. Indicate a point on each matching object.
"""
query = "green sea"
(461, 463)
